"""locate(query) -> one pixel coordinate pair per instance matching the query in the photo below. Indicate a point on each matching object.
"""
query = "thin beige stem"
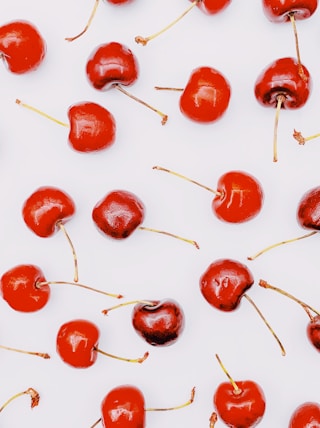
(280, 100)
(159, 168)
(77, 284)
(162, 115)
(301, 139)
(75, 259)
(278, 244)
(130, 302)
(144, 40)
(266, 323)
(36, 354)
(41, 113)
(166, 88)
(188, 241)
(265, 284)
(71, 39)
(236, 389)
(128, 360)
(295, 32)
(35, 397)
(180, 406)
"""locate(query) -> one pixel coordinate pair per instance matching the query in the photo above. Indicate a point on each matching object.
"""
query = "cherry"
(77, 344)
(238, 197)
(307, 415)
(209, 7)
(124, 407)
(158, 322)
(22, 47)
(92, 127)
(239, 404)
(113, 65)
(281, 86)
(34, 395)
(224, 283)
(206, 96)
(119, 213)
(25, 288)
(46, 211)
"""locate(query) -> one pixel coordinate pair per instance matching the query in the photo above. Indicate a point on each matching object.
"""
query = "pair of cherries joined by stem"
(22, 47)
(306, 415)
(124, 407)
(238, 197)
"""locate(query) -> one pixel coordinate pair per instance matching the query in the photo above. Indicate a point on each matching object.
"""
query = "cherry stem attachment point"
(36, 354)
(280, 100)
(188, 241)
(213, 419)
(236, 389)
(41, 113)
(144, 40)
(77, 284)
(301, 139)
(130, 302)
(75, 259)
(180, 406)
(128, 360)
(266, 323)
(278, 244)
(295, 32)
(93, 12)
(35, 397)
(162, 115)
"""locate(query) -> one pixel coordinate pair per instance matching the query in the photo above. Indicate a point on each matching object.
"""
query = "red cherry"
(116, 2)
(307, 415)
(313, 331)
(280, 10)
(22, 47)
(308, 213)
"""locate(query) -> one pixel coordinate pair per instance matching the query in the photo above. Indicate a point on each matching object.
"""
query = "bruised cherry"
(22, 47)
(307, 415)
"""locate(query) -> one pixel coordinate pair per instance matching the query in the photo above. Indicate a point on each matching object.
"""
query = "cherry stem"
(180, 406)
(266, 323)
(93, 12)
(236, 389)
(189, 241)
(75, 260)
(41, 284)
(304, 305)
(96, 423)
(166, 88)
(278, 244)
(164, 116)
(294, 27)
(128, 360)
(34, 109)
(213, 419)
(280, 99)
(159, 168)
(131, 302)
(144, 40)
(36, 354)
(35, 397)
(301, 139)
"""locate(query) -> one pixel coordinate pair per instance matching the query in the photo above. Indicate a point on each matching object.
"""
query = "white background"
(239, 42)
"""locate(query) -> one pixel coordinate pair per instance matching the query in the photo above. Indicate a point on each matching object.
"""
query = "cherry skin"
(224, 282)
(243, 408)
(18, 288)
(308, 212)
(211, 7)
(77, 343)
(307, 415)
(123, 407)
(313, 332)
(280, 10)
(22, 47)
(111, 64)
(117, 2)
(118, 214)
(45, 209)
(160, 323)
(92, 127)
(239, 197)
(206, 96)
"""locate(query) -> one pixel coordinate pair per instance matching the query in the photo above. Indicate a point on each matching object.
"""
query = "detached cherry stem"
(144, 40)
(130, 302)
(35, 397)
(162, 232)
(280, 99)
(301, 139)
(93, 12)
(77, 284)
(162, 115)
(294, 27)
(213, 419)
(22, 351)
(41, 113)
(180, 406)
(128, 360)
(278, 244)
(236, 389)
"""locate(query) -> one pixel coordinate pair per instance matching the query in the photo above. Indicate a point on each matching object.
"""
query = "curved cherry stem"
(77, 284)
(128, 360)
(180, 406)
(213, 420)
(22, 351)
(265, 284)
(41, 113)
(130, 302)
(35, 398)
(162, 232)
(93, 12)
(280, 99)
(278, 244)
(144, 40)
(75, 259)
(301, 139)
(266, 323)
(159, 168)
(236, 389)
(162, 115)
(295, 32)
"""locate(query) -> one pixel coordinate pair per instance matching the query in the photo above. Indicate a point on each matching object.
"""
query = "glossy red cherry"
(22, 47)
(212, 7)
(307, 415)
(280, 10)
(160, 323)
(308, 212)
(313, 331)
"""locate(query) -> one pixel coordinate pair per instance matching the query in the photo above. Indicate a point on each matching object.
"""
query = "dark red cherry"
(160, 323)
(211, 7)
(18, 287)
(313, 331)
(280, 10)
(308, 212)
(22, 47)
(307, 415)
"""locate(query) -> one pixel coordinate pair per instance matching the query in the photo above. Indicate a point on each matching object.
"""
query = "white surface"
(34, 152)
